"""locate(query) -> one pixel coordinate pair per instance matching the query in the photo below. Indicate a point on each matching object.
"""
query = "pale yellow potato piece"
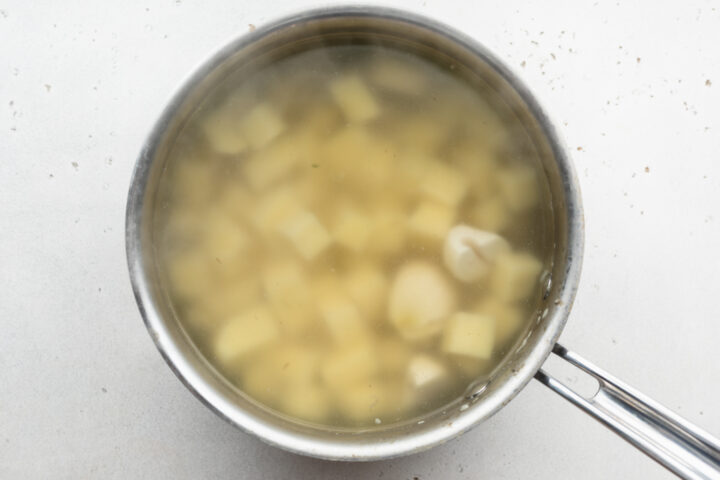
(367, 286)
(261, 125)
(425, 371)
(293, 362)
(519, 187)
(351, 228)
(190, 274)
(509, 319)
(285, 285)
(515, 276)
(421, 298)
(307, 402)
(223, 131)
(444, 184)
(263, 383)
(341, 317)
(479, 168)
(469, 253)
(236, 201)
(224, 239)
(272, 164)
(246, 332)
(307, 234)
(274, 208)
(397, 76)
(372, 401)
(491, 215)
(354, 99)
(431, 221)
(347, 364)
(469, 334)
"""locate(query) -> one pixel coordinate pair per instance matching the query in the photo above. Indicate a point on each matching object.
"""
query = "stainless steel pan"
(672, 441)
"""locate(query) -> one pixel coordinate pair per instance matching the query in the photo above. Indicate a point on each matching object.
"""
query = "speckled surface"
(635, 90)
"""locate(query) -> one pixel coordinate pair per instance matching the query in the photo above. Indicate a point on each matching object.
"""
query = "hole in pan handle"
(672, 441)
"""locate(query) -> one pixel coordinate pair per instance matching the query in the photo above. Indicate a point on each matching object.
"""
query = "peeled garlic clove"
(469, 252)
(420, 300)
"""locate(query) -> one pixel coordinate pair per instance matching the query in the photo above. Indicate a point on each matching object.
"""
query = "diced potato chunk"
(273, 163)
(367, 286)
(292, 362)
(491, 215)
(515, 275)
(224, 133)
(347, 364)
(307, 234)
(519, 188)
(431, 220)
(397, 77)
(307, 402)
(420, 300)
(262, 125)
(236, 201)
(469, 334)
(444, 184)
(508, 318)
(425, 371)
(246, 332)
(190, 274)
(341, 316)
(469, 253)
(224, 238)
(354, 99)
(274, 208)
(351, 228)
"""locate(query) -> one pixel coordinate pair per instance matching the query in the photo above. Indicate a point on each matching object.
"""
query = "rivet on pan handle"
(678, 445)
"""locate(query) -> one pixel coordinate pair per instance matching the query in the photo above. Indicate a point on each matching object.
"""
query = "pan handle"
(678, 445)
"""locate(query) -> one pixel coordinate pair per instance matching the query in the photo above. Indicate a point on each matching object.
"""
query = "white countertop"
(635, 90)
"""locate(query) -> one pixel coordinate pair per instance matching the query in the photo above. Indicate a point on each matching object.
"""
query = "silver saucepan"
(672, 441)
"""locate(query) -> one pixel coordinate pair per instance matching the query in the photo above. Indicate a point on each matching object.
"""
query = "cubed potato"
(230, 299)
(491, 215)
(431, 221)
(294, 362)
(307, 234)
(469, 253)
(515, 276)
(274, 208)
(245, 333)
(342, 318)
(444, 184)
(351, 228)
(261, 125)
(285, 285)
(224, 132)
(469, 334)
(519, 187)
(346, 364)
(354, 99)
(397, 76)
(224, 239)
(190, 274)
(367, 286)
(272, 164)
(509, 319)
(393, 356)
(420, 300)
(425, 371)
(296, 314)
(307, 402)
